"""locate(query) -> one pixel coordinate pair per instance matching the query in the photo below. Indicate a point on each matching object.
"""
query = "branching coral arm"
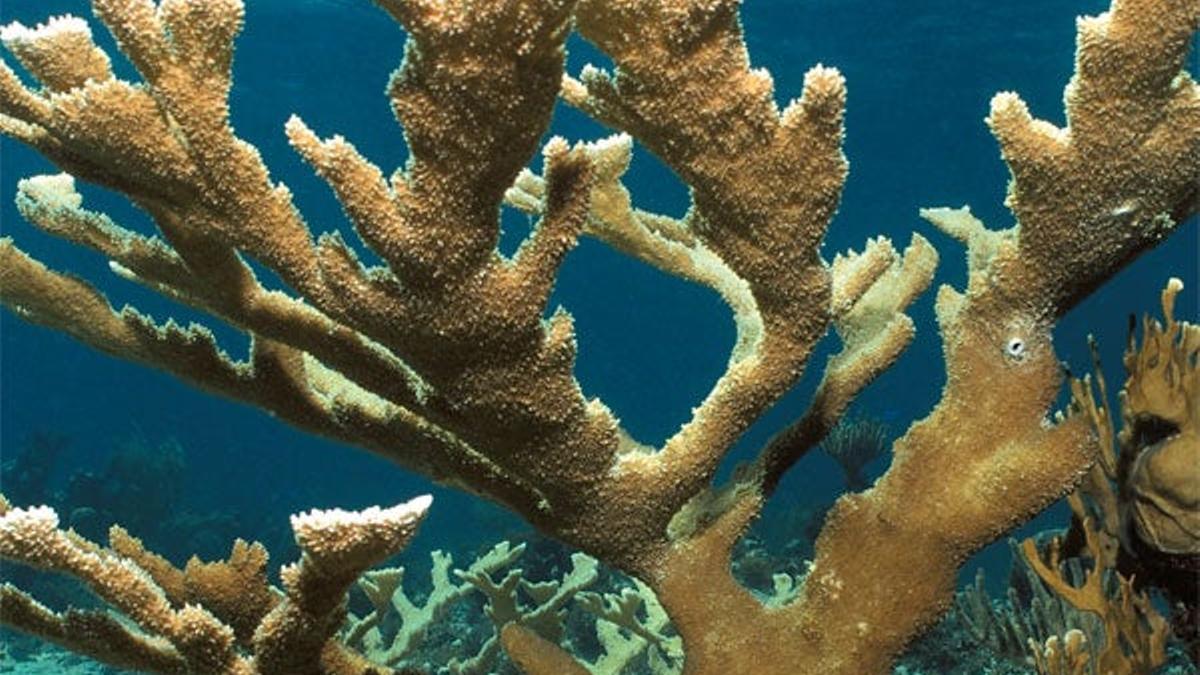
(196, 268)
(1133, 135)
(764, 186)
(293, 635)
(473, 325)
(96, 635)
(448, 343)
(869, 305)
(51, 204)
(290, 384)
(1132, 111)
(32, 537)
(169, 147)
(869, 293)
(988, 456)
(660, 241)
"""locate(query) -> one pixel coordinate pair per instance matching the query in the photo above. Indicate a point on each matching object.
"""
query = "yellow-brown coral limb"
(1062, 656)
(447, 359)
(988, 456)
(1143, 492)
(176, 633)
(765, 184)
(1163, 387)
(1135, 633)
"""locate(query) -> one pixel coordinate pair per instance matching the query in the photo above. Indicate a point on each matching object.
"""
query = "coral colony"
(441, 360)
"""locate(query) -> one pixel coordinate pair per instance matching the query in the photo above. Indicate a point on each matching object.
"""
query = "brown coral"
(1134, 633)
(1161, 409)
(198, 620)
(441, 359)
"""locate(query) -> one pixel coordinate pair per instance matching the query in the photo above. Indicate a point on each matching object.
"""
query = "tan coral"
(167, 632)
(235, 590)
(543, 615)
(624, 634)
(442, 360)
(1144, 490)
(1135, 634)
(1111, 525)
(1163, 388)
(1062, 656)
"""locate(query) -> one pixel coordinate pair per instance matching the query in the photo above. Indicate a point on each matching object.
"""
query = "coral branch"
(1130, 108)
(448, 359)
(872, 291)
(181, 624)
(1135, 633)
(764, 186)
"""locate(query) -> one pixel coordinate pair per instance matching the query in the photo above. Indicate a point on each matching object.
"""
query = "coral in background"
(1029, 614)
(141, 485)
(618, 625)
(44, 660)
(393, 632)
(780, 542)
(615, 625)
(442, 359)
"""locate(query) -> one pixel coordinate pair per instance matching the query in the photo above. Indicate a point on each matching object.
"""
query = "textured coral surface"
(440, 353)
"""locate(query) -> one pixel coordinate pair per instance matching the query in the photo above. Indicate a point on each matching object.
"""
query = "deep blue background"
(920, 77)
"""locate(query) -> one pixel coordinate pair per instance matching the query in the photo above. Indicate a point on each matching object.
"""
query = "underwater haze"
(920, 75)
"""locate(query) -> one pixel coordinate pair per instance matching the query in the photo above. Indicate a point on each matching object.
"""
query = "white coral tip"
(53, 190)
(319, 521)
(18, 33)
(36, 517)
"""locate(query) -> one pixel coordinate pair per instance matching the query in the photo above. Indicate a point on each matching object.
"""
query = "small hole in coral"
(1015, 349)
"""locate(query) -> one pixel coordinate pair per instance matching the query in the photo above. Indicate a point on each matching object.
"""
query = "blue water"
(920, 75)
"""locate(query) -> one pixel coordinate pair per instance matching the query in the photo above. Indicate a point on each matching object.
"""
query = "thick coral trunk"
(886, 561)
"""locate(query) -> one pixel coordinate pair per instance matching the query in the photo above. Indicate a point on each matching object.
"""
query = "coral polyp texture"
(441, 358)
